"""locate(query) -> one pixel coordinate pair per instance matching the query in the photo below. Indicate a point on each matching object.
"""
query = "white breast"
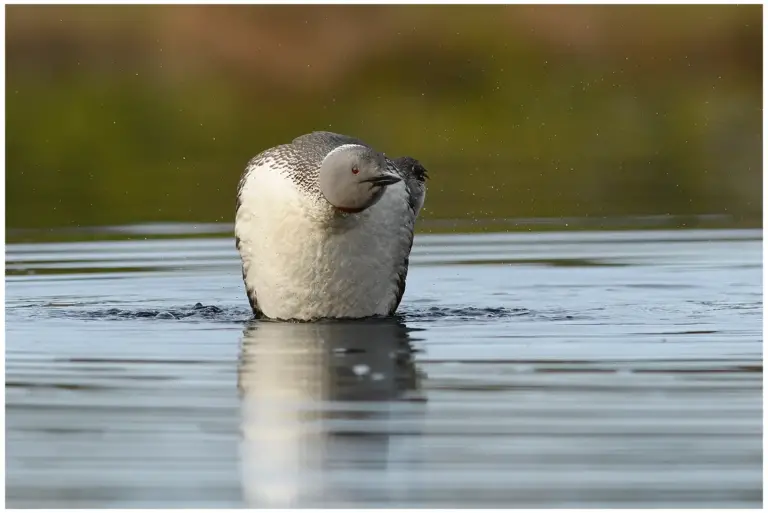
(305, 261)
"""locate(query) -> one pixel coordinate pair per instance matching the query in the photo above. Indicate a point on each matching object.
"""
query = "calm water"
(541, 370)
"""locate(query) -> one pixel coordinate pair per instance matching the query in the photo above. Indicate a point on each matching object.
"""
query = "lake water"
(574, 369)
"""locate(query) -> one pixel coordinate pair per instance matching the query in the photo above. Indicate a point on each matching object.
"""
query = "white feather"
(306, 261)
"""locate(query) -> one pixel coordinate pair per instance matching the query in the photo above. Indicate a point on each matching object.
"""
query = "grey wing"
(402, 274)
(416, 192)
(416, 188)
(251, 294)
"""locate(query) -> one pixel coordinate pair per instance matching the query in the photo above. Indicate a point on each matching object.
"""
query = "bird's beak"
(384, 180)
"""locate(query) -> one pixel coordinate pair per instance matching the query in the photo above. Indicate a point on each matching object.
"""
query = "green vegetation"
(129, 114)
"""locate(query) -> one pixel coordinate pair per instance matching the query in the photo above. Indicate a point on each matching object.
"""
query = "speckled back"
(301, 159)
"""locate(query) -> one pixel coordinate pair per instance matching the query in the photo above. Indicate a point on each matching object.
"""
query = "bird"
(324, 227)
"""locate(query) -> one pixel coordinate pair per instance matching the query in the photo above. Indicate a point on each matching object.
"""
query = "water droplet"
(361, 370)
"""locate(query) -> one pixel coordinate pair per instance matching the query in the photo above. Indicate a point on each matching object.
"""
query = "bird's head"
(354, 177)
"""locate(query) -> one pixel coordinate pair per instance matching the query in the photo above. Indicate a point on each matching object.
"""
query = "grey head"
(415, 178)
(353, 177)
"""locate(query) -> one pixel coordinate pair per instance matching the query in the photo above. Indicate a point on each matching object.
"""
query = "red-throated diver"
(324, 227)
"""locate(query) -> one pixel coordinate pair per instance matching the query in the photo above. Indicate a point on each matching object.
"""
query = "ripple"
(196, 312)
(242, 314)
(470, 313)
(438, 313)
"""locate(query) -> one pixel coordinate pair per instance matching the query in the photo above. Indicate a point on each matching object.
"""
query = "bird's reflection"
(316, 402)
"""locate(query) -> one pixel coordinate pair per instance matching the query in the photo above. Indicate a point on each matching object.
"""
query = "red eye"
(355, 170)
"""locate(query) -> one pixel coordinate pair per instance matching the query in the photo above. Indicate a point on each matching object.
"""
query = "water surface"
(573, 369)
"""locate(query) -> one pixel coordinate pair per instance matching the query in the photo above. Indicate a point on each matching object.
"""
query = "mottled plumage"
(303, 258)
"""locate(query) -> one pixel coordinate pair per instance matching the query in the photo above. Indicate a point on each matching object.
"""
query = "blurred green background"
(133, 114)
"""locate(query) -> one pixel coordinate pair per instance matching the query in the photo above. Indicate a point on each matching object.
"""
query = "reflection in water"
(317, 397)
